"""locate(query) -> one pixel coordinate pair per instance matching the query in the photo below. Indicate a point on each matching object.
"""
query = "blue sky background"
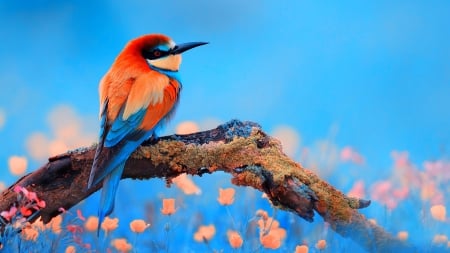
(379, 71)
(374, 75)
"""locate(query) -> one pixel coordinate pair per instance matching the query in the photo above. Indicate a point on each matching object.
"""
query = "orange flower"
(270, 234)
(186, 184)
(205, 233)
(55, 224)
(168, 207)
(91, 223)
(71, 249)
(17, 165)
(270, 241)
(29, 233)
(110, 224)
(402, 235)
(234, 239)
(268, 224)
(301, 249)
(121, 245)
(438, 212)
(321, 244)
(187, 127)
(39, 224)
(226, 196)
(440, 239)
(138, 226)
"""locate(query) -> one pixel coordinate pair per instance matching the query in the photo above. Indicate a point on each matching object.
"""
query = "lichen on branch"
(241, 149)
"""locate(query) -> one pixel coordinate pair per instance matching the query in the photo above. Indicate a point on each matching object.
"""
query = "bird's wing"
(145, 106)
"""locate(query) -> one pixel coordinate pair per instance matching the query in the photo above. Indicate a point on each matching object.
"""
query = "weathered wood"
(241, 149)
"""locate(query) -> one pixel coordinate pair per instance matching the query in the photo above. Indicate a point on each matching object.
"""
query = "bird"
(138, 94)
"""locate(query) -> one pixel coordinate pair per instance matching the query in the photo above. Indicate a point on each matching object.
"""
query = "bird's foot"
(152, 140)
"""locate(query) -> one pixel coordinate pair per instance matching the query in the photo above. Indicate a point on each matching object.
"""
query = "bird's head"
(161, 52)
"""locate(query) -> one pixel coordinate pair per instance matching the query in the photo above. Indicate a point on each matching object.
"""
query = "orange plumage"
(131, 75)
(140, 90)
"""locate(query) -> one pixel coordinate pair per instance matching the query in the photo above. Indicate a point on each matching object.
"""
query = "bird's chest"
(159, 113)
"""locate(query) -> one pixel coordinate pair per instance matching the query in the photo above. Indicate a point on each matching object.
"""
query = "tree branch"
(240, 148)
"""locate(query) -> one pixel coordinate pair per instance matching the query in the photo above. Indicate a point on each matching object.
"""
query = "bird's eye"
(156, 53)
(153, 54)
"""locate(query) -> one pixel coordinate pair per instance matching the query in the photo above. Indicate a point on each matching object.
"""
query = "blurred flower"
(438, 212)
(373, 221)
(270, 234)
(8, 215)
(57, 147)
(301, 249)
(437, 169)
(29, 233)
(289, 138)
(138, 226)
(186, 184)
(226, 196)
(109, 224)
(440, 239)
(384, 192)
(25, 211)
(401, 193)
(168, 207)
(348, 154)
(74, 229)
(30, 196)
(401, 159)
(55, 224)
(121, 245)
(357, 190)
(17, 165)
(69, 130)
(321, 244)
(270, 241)
(80, 215)
(91, 223)
(204, 233)
(187, 127)
(39, 224)
(402, 235)
(267, 224)
(428, 190)
(71, 249)
(234, 239)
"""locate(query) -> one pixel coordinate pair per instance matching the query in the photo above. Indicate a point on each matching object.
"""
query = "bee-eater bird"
(138, 94)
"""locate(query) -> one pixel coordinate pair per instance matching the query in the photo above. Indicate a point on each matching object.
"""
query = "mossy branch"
(241, 149)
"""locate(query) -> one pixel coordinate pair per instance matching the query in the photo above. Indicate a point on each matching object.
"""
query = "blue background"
(374, 74)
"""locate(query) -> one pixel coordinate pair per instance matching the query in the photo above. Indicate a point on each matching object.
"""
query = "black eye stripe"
(154, 54)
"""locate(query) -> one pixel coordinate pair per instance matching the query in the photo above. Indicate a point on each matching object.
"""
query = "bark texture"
(240, 148)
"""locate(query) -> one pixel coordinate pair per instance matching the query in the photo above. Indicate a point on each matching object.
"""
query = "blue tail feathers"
(107, 198)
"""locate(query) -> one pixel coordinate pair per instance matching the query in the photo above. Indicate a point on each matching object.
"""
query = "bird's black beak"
(178, 49)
